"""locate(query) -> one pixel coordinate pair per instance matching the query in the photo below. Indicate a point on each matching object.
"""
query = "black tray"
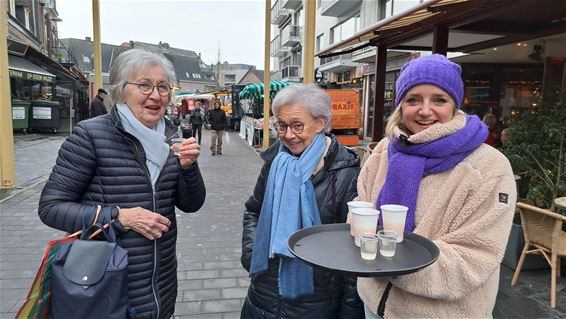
(332, 247)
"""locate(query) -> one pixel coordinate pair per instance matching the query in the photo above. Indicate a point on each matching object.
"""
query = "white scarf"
(152, 140)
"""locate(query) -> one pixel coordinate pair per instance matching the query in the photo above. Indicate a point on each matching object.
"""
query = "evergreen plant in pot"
(537, 152)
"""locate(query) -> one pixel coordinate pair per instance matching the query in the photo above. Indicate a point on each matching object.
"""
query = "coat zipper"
(154, 272)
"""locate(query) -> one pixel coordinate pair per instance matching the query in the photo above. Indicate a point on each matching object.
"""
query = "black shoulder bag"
(90, 277)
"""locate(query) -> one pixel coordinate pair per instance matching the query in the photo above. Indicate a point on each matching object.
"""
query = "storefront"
(28, 81)
(34, 76)
(501, 89)
(499, 81)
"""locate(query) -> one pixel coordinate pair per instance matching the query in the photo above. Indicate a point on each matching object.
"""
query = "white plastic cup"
(356, 204)
(364, 220)
(394, 217)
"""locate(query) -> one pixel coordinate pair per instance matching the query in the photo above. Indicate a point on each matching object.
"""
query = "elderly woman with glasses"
(123, 160)
(307, 179)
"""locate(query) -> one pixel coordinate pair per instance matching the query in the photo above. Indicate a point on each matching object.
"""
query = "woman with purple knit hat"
(460, 192)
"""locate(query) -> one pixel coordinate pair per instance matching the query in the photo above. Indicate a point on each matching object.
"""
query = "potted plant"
(537, 152)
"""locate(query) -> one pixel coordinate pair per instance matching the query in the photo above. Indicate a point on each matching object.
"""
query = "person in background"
(123, 160)
(491, 121)
(197, 120)
(460, 192)
(217, 120)
(183, 109)
(307, 179)
(97, 106)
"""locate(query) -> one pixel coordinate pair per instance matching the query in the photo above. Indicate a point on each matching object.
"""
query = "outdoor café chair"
(543, 235)
(362, 153)
(371, 146)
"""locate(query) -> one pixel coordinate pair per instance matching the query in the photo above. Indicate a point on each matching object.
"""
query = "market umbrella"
(256, 90)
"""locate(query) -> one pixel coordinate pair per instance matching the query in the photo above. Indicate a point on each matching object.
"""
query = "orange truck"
(346, 115)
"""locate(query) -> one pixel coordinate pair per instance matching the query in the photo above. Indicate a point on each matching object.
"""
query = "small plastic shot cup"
(356, 204)
(368, 246)
(387, 242)
(176, 142)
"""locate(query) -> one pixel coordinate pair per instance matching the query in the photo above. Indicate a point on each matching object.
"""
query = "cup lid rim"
(370, 204)
(366, 211)
(394, 207)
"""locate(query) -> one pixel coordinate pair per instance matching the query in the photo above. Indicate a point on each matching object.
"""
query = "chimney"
(88, 39)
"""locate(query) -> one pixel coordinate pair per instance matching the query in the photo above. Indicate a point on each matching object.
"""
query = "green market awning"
(256, 90)
(21, 68)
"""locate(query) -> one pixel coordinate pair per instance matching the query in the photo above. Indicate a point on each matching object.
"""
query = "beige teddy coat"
(467, 212)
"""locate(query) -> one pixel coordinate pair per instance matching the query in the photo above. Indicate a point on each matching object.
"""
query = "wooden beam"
(379, 93)
(440, 39)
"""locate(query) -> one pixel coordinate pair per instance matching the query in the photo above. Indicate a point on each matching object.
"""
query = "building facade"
(193, 75)
(38, 72)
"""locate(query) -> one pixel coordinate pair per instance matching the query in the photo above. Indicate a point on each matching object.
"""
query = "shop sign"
(41, 113)
(30, 76)
(18, 113)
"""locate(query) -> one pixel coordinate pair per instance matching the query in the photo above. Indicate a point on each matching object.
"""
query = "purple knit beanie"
(434, 69)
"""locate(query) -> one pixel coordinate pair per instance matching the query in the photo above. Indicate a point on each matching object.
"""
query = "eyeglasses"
(147, 88)
(296, 127)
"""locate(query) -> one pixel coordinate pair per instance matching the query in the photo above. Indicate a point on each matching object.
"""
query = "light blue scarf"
(152, 140)
(289, 204)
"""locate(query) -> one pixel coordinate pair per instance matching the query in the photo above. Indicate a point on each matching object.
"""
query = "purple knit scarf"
(409, 163)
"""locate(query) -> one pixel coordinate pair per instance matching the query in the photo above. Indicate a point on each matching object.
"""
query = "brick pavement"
(212, 284)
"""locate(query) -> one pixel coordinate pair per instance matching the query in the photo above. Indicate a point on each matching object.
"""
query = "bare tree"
(217, 71)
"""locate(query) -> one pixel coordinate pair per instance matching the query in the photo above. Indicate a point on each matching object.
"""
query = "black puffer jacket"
(335, 295)
(102, 164)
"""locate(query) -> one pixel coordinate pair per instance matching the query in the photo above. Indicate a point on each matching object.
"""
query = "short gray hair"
(132, 61)
(311, 97)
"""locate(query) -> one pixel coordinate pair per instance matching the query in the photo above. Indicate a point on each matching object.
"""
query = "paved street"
(212, 284)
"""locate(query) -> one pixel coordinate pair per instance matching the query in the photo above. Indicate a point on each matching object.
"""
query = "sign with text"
(31, 76)
(345, 108)
(41, 113)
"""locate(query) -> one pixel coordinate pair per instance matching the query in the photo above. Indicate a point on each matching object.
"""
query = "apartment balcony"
(278, 13)
(291, 4)
(337, 8)
(365, 55)
(291, 73)
(338, 63)
(276, 49)
(291, 35)
(275, 76)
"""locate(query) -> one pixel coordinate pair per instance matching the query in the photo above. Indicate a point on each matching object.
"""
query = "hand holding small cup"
(187, 150)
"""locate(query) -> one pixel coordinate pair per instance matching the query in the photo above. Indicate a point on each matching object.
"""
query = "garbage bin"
(44, 116)
(20, 117)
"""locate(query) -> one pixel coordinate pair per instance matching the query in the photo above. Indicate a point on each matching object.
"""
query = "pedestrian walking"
(307, 179)
(197, 120)
(460, 193)
(97, 106)
(217, 120)
(123, 160)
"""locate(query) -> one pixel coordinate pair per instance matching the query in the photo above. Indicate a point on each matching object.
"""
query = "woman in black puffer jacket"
(122, 160)
(303, 113)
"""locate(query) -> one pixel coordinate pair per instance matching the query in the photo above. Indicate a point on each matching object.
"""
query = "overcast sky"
(234, 26)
